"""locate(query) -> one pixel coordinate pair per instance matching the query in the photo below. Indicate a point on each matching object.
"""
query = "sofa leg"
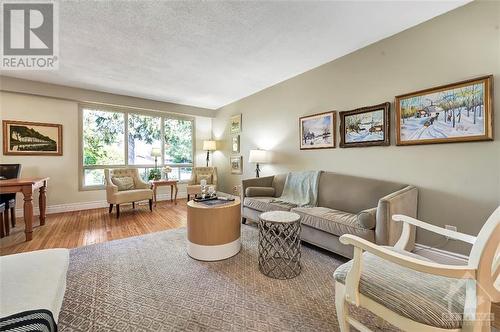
(188, 197)
(117, 211)
(151, 205)
(133, 205)
(110, 208)
(243, 220)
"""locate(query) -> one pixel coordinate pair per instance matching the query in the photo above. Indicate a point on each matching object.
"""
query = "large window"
(122, 138)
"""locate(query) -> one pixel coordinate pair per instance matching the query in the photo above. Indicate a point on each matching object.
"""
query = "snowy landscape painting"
(317, 131)
(367, 126)
(453, 113)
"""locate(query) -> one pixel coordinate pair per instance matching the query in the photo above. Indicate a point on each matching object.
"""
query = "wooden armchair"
(124, 185)
(416, 294)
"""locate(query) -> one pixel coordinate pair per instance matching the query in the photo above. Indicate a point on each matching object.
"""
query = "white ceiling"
(209, 54)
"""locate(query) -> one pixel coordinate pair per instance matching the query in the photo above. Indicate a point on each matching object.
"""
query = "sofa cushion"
(123, 182)
(33, 280)
(333, 221)
(422, 297)
(259, 191)
(263, 204)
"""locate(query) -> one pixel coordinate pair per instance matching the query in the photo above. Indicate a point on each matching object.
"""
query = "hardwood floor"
(81, 228)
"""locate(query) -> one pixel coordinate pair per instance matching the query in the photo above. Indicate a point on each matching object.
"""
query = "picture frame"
(236, 164)
(23, 138)
(235, 124)
(235, 144)
(366, 126)
(318, 131)
(456, 112)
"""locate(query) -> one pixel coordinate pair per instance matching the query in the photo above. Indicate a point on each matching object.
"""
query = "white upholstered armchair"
(124, 185)
(199, 173)
(416, 294)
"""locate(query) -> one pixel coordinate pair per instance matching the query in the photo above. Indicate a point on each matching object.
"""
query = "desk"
(27, 186)
(173, 185)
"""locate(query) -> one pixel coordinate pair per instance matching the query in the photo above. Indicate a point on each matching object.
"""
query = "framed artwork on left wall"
(236, 164)
(32, 138)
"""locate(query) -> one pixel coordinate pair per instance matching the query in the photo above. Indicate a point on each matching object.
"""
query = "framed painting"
(235, 124)
(236, 164)
(458, 112)
(367, 126)
(32, 138)
(235, 144)
(317, 131)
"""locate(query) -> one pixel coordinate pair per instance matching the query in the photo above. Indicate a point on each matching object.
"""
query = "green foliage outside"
(178, 141)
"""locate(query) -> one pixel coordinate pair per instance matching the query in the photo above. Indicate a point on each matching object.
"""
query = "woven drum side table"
(279, 244)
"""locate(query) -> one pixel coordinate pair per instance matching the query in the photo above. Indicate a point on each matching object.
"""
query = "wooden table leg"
(176, 190)
(28, 213)
(154, 193)
(171, 193)
(42, 203)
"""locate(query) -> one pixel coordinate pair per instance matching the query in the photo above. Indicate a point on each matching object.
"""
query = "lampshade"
(155, 152)
(209, 145)
(258, 156)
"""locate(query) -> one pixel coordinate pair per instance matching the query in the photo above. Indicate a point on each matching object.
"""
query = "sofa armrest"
(404, 201)
(266, 181)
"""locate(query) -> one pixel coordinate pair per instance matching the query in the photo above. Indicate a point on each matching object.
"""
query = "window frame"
(126, 111)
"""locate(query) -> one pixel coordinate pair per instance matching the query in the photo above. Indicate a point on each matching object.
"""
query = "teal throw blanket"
(301, 189)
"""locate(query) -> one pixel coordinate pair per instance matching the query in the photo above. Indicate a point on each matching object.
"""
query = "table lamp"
(156, 152)
(258, 156)
(209, 146)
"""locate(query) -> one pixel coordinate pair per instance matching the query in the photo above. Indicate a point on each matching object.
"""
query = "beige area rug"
(149, 283)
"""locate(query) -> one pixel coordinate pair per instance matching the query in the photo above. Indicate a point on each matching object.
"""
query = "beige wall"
(63, 171)
(459, 183)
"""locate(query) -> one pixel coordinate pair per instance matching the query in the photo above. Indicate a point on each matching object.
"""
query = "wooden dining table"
(27, 187)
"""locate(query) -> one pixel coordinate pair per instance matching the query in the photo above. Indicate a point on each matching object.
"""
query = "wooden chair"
(2, 213)
(9, 171)
(416, 294)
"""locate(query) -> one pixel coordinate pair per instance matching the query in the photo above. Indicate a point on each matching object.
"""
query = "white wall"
(63, 191)
(459, 184)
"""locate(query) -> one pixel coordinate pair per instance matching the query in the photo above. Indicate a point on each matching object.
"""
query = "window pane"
(144, 133)
(174, 175)
(178, 141)
(93, 177)
(103, 138)
(185, 173)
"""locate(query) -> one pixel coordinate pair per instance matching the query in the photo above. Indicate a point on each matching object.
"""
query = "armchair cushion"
(422, 297)
(204, 176)
(128, 196)
(259, 191)
(123, 182)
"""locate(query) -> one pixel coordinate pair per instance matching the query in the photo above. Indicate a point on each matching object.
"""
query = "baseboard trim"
(51, 209)
(440, 255)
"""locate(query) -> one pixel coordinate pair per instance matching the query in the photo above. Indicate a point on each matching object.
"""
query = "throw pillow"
(123, 183)
(368, 218)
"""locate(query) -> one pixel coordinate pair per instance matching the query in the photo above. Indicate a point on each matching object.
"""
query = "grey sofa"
(346, 205)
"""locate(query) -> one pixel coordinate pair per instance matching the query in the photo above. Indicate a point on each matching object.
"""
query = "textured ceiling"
(209, 54)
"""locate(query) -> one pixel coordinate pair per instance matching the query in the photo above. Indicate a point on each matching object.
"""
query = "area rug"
(149, 283)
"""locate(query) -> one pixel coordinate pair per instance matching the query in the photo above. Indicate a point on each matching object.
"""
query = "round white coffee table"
(213, 232)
